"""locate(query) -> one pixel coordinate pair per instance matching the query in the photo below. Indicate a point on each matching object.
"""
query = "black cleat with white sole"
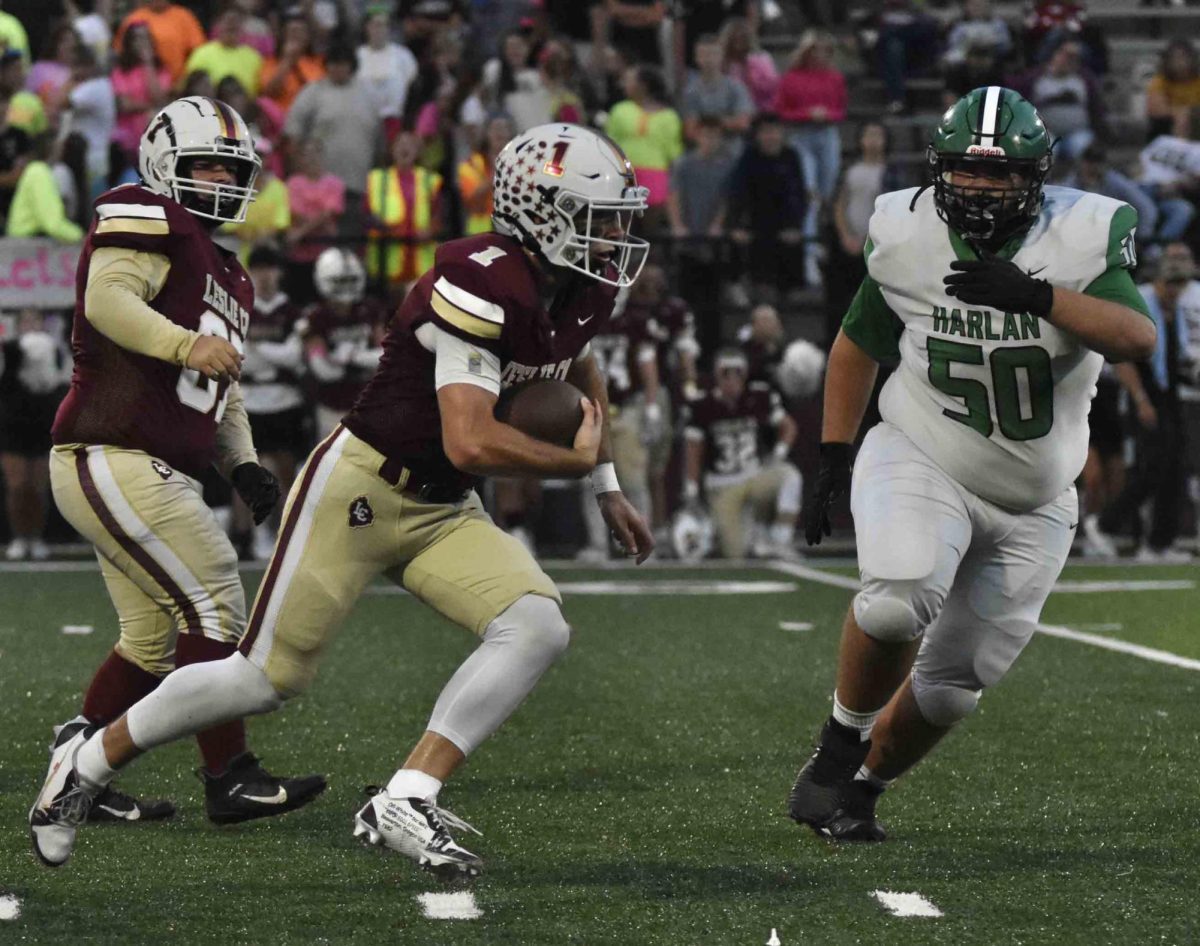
(246, 790)
(825, 796)
(420, 830)
(65, 799)
(112, 806)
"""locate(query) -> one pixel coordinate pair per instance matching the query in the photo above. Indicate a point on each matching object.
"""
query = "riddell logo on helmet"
(988, 151)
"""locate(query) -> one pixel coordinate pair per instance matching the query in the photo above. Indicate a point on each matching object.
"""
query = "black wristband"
(836, 452)
(1041, 299)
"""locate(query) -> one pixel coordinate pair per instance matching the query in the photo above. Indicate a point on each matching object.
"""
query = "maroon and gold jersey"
(124, 399)
(619, 351)
(733, 433)
(486, 291)
(345, 339)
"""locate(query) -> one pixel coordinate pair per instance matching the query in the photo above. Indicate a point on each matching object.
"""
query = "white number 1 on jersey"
(488, 256)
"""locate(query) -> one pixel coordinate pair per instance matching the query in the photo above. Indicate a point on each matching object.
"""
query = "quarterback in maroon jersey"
(161, 316)
(390, 491)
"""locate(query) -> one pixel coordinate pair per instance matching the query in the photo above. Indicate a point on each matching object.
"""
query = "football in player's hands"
(545, 410)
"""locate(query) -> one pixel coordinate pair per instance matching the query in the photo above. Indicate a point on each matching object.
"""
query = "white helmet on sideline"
(800, 369)
(199, 127)
(557, 188)
(339, 275)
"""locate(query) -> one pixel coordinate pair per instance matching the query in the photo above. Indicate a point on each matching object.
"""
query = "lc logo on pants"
(361, 513)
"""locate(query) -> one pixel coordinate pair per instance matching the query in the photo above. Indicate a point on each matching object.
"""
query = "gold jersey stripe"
(471, 324)
(133, 225)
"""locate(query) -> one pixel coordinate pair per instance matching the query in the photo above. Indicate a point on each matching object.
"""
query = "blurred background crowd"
(764, 130)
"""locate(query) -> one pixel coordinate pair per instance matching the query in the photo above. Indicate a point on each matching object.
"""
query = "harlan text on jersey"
(985, 325)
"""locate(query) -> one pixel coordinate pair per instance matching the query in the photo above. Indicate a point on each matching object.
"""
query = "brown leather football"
(545, 410)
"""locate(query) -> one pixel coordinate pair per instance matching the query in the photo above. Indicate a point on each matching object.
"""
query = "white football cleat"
(65, 799)
(417, 828)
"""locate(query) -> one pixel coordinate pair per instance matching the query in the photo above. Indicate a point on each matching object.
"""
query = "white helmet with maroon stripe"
(199, 127)
(569, 194)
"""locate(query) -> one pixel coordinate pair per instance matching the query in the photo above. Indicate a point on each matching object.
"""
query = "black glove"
(833, 479)
(258, 488)
(1000, 284)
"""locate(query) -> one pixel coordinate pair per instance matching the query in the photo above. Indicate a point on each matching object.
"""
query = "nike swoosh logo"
(124, 816)
(279, 798)
(585, 321)
(1073, 525)
(1033, 272)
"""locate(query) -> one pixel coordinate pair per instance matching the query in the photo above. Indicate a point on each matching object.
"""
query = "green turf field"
(638, 797)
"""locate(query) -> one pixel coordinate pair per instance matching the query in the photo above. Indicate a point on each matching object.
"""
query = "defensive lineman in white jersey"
(998, 300)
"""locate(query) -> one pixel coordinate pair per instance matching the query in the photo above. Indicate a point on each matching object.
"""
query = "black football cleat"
(247, 790)
(820, 795)
(856, 819)
(114, 806)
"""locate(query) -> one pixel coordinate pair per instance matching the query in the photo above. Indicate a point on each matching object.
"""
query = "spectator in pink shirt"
(812, 99)
(141, 84)
(317, 199)
(50, 77)
(745, 61)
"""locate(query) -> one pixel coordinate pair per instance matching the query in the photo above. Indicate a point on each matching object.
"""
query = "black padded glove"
(1000, 284)
(833, 479)
(258, 488)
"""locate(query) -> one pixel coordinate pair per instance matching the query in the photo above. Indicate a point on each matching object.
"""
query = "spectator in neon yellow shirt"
(651, 134)
(269, 217)
(12, 34)
(227, 55)
(25, 109)
(37, 206)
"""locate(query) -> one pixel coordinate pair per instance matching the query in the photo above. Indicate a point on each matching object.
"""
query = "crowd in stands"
(764, 133)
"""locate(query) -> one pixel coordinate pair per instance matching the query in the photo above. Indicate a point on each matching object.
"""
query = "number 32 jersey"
(999, 400)
(126, 399)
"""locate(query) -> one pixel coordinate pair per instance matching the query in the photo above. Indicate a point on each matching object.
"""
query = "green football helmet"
(990, 132)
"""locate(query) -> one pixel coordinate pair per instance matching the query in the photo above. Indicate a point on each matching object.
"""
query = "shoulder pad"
(137, 219)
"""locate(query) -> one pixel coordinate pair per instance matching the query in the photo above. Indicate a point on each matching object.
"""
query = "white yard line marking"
(459, 905)
(1105, 643)
(795, 625)
(77, 629)
(814, 574)
(10, 907)
(1101, 628)
(905, 904)
(1121, 647)
(1070, 587)
(678, 587)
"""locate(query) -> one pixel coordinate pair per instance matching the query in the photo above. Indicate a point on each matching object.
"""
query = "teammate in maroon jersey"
(725, 432)
(161, 315)
(341, 335)
(390, 492)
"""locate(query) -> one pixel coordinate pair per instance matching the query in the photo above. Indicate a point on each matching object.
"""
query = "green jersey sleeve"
(1116, 284)
(872, 325)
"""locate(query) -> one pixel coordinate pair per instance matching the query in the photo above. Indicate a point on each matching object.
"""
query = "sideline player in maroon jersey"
(160, 320)
(724, 435)
(341, 335)
(390, 491)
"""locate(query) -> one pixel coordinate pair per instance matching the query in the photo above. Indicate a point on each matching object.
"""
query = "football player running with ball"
(390, 492)
(160, 321)
(999, 300)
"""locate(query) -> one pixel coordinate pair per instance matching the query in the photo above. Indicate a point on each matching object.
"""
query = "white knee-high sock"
(518, 647)
(198, 696)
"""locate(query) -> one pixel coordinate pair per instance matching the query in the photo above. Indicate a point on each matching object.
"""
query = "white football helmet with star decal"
(569, 194)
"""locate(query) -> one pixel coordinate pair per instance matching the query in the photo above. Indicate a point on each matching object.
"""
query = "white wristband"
(604, 479)
(782, 450)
